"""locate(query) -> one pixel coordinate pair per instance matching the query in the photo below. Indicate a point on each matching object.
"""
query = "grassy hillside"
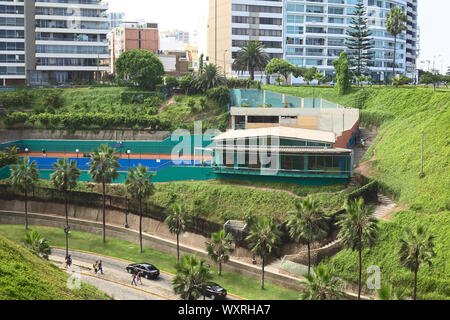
(433, 282)
(402, 114)
(107, 108)
(24, 276)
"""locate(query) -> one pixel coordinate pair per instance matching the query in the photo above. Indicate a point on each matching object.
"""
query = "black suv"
(214, 291)
(147, 270)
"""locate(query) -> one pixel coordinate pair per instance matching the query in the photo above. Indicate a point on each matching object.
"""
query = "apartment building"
(12, 43)
(309, 33)
(46, 41)
(132, 35)
(232, 23)
(115, 19)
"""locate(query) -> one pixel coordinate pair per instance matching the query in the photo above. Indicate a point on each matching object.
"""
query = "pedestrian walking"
(100, 268)
(138, 277)
(95, 266)
(133, 279)
(44, 153)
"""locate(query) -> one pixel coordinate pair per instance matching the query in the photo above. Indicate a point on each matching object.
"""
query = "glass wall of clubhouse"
(291, 158)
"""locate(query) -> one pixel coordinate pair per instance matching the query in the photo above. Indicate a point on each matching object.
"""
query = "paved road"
(116, 282)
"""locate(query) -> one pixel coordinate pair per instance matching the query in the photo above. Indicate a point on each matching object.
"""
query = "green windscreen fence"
(258, 98)
(188, 142)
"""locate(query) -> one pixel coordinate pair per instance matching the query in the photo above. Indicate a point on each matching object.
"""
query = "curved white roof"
(281, 132)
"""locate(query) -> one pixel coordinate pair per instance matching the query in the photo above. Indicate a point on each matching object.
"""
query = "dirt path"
(167, 103)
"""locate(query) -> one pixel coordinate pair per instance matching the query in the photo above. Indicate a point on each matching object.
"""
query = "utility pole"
(421, 168)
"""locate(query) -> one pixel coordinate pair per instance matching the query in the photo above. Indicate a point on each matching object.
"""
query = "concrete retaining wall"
(12, 217)
(115, 135)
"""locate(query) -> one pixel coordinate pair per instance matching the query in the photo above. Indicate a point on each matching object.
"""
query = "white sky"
(192, 15)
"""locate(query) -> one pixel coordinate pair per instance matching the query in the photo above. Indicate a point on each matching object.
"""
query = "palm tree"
(358, 230)
(209, 78)
(139, 187)
(191, 278)
(220, 247)
(395, 24)
(24, 176)
(103, 169)
(389, 293)
(416, 248)
(307, 223)
(322, 285)
(38, 244)
(65, 178)
(251, 57)
(177, 221)
(264, 237)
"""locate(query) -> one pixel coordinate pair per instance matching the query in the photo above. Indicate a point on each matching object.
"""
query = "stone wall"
(115, 135)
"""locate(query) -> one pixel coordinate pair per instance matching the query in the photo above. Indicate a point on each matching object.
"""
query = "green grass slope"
(24, 276)
(433, 282)
(402, 114)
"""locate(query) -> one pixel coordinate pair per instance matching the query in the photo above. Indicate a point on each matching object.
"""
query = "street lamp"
(26, 151)
(66, 231)
(224, 63)
(128, 153)
(77, 151)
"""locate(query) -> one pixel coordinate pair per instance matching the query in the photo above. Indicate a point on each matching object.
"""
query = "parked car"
(214, 291)
(148, 270)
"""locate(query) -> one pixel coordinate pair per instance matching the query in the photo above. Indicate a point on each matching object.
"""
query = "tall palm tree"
(251, 58)
(220, 247)
(396, 21)
(264, 237)
(191, 278)
(103, 169)
(209, 78)
(139, 187)
(390, 293)
(358, 230)
(178, 220)
(322, 285)
(64, 178)
(24, 176)
(416, 249)
(307, 223)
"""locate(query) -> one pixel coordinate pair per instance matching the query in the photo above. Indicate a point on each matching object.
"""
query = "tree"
(103, 169)
(65, 178)
(310, 74)
(9, 156)
(219, 248)
(209, 78)
(171, 83)
(416, 249)
(24, 176)
(264, 237)
(140, 67)
(280, 66)
(191, 278)
(320, 77)
(342, 73)
(401, 80)
(322, 285)
(37, 244)
(307, 223)
(178, 220)
(359, 41)
(358, 230)
(430, 78)
(395, 24)
(139, 187)
(251, 58)
(389, 293)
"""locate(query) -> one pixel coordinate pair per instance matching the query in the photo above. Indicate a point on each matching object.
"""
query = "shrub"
(185, 84)
(15, 99)
(129, 97)
(234, 83)
(220, 95)
(178, 99)
(15, 118)
(151, 102)
(53, 99)
(171, 83)
(191, 103)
